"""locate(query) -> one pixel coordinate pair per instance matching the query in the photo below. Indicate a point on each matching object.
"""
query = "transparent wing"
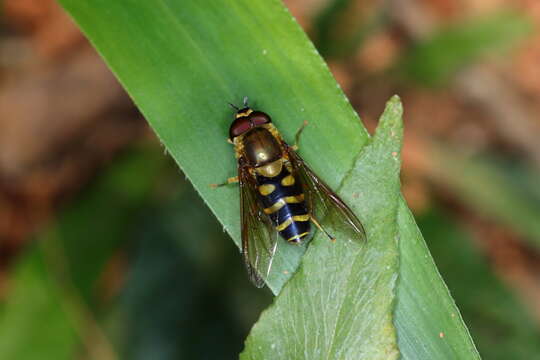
(325, 206)
(259, 238)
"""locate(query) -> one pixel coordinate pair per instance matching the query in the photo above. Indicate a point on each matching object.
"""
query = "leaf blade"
(146, 46)
(426, 328)
(177, 90)
(345, 311)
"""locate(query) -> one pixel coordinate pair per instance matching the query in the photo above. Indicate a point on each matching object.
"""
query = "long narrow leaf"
(181, 61)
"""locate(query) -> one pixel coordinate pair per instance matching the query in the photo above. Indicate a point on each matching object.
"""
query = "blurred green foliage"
(341, 28)
(432, 61)
(499, 323)
(34, 323)
(55, 280)
(173, 302)
(499, 188)
(186, 295)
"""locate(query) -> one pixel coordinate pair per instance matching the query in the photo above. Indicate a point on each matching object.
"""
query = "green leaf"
(428, 322)
(182, 61)
(340, 303)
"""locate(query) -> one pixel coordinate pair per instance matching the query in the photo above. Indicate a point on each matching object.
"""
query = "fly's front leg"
(231, 180)
(295, 147)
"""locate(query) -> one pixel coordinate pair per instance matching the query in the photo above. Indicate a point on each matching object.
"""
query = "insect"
(279, 193)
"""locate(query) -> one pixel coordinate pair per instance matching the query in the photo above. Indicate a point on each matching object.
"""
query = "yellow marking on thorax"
(238, 146)
(273, 130)
(270, 170)
(275, 133)
(266, 189)
(287, 180)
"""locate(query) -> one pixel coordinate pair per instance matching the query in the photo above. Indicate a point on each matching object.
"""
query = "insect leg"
(230, 180)
(297, 136)
(314, 221)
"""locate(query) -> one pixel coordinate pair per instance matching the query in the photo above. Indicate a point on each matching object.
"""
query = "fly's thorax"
(261, 147)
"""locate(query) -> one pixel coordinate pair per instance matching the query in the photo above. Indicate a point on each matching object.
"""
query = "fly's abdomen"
(283, 200)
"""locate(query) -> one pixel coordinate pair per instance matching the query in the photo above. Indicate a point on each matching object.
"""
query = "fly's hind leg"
(318, 225)
(297, 136)
(230, 180)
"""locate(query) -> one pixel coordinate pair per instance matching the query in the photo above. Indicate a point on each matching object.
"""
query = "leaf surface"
(183, 61)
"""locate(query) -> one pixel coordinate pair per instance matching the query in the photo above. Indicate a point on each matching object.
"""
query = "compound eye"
(239, 127)
(259, 118)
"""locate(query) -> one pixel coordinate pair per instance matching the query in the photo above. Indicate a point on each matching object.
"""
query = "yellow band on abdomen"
(297, 237)
(290, 220)
(281, 202)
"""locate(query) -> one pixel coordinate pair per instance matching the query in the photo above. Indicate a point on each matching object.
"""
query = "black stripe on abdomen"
(286, 207)
(296, 231)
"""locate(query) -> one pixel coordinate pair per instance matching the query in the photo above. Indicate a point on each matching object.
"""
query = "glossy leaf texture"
(182, 61)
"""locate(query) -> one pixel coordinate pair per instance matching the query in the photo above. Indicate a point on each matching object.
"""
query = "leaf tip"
(394, 107)
(391, 121)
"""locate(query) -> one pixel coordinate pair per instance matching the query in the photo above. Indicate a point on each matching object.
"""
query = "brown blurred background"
(468, 73)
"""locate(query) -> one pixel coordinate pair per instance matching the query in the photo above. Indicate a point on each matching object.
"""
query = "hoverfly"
(279, 193)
